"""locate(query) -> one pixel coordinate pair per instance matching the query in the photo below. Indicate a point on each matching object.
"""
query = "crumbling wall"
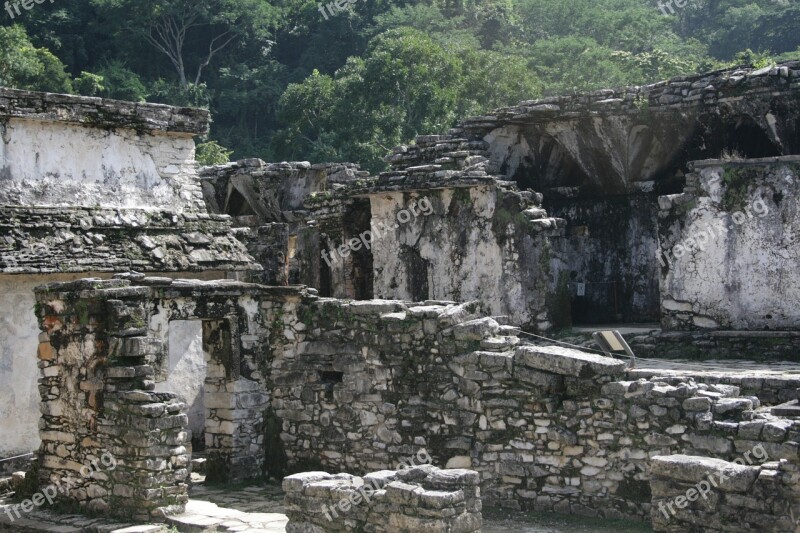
(57, 151)
(98, 404)
(298, 382)
(104, 348)
(90, 186)
(288, 214)
(547, 428)
(602, 158)
(458, 234)
(701, 494)
(421, 498)
(729, 256)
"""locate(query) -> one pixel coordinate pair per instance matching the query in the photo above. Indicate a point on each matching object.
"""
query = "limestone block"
(730, 477)
(476, 330)
(568, 362)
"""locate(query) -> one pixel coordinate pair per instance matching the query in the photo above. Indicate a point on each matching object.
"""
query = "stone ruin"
(581, 210)
(417, 499)
(194, 327)
(299, 382)
(90, 187)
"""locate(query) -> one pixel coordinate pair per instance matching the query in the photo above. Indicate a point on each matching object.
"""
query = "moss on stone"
(737, 185)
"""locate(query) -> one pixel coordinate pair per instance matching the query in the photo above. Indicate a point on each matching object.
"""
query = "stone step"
(499, 344)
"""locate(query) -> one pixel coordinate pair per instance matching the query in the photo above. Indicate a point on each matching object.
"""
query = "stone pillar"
(110, 443)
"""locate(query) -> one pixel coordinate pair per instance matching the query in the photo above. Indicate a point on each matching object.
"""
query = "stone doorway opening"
(186, 368)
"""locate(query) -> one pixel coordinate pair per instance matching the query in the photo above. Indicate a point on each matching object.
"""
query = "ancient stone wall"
(51, 240)
(256, 192)
(728, 246)
(298, 382)
(547, 428)
(97, 404)
(103, 349)
(616, 141)
(288, 214)
(421, 498)
(91, 186)
(700, 494)
(763, 345)
(61, 150)
(475, 238)
(601, 160)
(770, 387)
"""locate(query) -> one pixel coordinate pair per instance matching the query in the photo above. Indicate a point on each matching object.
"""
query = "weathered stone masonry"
(90, 187)
(102, 349)
(298, 382)
(602, 159)
(422, 498)
(738, 224)
(735, 497)
(581, 249)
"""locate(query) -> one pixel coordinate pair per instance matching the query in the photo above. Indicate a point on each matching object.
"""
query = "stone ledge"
(691, 469)
(568, 362)
(102, 113)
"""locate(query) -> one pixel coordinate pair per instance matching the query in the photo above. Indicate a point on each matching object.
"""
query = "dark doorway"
(358, 221)
(417, 274)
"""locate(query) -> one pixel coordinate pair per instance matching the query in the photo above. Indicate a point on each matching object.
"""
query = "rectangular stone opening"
(330, 377)
(187, 368)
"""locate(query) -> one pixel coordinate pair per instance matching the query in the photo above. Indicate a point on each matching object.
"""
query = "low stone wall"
(299, 383)
(709, 495)
(422, 498)
(771, 388)
(546, 428)
(705, 345)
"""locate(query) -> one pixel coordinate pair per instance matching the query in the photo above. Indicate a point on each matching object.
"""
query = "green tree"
(26, 67)
(121, 83)
(211, 153)
(190, 34)
(406, 85)
(89, 84)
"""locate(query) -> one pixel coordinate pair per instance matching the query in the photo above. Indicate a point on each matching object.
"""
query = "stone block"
(730, 477)
(732, 405)
(476, 330)
(544, 382)
(568, 362)
(711, 443)
(697, 404)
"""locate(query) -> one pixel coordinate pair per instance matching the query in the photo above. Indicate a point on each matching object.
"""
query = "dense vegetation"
(284, 81)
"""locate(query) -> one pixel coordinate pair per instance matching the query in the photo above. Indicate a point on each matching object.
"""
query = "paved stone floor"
(255, 509)
(259, 509)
